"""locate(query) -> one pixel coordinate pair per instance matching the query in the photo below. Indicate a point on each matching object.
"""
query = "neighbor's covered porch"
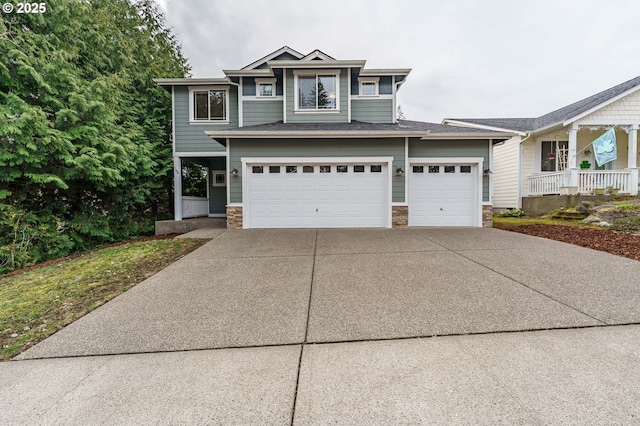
(569, 167)
(200, 187)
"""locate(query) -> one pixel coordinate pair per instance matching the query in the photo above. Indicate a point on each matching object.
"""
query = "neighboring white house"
(552, 154)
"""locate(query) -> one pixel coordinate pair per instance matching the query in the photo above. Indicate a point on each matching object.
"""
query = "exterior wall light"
(399, 171)
(234, 172)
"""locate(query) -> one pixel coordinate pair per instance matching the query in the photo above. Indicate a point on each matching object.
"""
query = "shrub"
(512, 213)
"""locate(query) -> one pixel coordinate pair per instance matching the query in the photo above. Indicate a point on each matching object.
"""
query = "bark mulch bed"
(618, 243)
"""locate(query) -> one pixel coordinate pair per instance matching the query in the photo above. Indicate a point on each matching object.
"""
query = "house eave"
(317, 64)
(385, 71)
(249, 73)
(471, 135)
(313, 134)
(167, 82)
(600, 106)
(482, 126)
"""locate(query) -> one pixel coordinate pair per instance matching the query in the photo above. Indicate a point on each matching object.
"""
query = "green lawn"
(37, 303)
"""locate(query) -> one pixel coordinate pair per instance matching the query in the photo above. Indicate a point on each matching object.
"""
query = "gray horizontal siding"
(191, 137)
(454, 148)
(372, 110)
(241, 148)
(321, 117)
(261, 112)
(385, 87)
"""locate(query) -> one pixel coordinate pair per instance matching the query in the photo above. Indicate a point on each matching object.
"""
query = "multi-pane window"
(368, 88)
(317, 91)
(210, 105)
(265, 89)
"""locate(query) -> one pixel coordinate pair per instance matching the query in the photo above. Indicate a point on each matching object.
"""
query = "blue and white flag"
(604, 148)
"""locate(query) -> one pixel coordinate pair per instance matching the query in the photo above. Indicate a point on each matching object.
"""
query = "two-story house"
(309, 141)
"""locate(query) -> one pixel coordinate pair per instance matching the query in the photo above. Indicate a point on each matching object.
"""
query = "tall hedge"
(85, 134)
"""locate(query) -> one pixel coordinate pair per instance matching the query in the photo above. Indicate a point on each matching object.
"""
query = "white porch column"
(573, 158)
(632, 163)
(177, 188)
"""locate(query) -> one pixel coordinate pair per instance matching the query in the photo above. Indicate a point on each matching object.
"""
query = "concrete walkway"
(448, 326)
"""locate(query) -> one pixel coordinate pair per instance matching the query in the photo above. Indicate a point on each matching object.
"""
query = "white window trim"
(375, 80)
(260, 81)
(223, 173)
(192, 111)
(297, 73)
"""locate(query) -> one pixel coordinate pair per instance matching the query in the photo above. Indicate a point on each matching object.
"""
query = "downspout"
(396, 86)
(520, 154)
(240, 112)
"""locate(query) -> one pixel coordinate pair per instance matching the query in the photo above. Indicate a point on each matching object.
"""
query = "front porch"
(584, 182)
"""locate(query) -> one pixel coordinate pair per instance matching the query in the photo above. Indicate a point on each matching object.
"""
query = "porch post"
(632, 163)
(177, 188)
(573, 158)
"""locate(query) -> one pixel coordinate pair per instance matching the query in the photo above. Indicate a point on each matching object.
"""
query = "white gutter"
(270, 134)
(481, 126)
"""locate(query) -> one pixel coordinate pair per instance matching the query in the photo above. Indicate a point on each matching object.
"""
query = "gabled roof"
(562, 116)
(317, 54)
(283, 50)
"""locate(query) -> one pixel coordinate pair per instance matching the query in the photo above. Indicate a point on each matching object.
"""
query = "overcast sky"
(469, 58)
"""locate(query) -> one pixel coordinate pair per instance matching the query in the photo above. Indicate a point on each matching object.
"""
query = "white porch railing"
(195, 206)
(588, 181)
(548, 183)
(592, 179)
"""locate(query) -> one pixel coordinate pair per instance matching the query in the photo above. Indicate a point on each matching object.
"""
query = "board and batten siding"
(327, 116)
(372, 110)
(261, 111)
(453, 148)
(241, 148)
(191, 137)
(505, 174)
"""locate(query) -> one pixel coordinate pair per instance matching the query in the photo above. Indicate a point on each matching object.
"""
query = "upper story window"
(369, 86)
(265, 87)
(209, 104)
(317, 90)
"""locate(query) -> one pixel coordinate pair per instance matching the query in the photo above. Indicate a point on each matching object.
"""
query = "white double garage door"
(356, 192)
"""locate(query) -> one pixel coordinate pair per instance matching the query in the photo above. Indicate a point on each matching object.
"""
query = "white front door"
(443, 195)
(316, 195)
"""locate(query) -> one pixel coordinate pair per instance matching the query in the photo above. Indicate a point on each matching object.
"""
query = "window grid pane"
(307, 92)
(327, 92)
(217, 104)
(200, 103)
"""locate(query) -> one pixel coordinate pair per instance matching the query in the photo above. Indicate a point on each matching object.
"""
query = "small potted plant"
(612, 190)
(585, 165)
(598, 191)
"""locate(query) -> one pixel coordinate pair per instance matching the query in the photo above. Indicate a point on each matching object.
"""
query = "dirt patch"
(618, 243)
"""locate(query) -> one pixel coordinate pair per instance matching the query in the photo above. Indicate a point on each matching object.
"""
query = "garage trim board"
(445, 191)
(305, 209)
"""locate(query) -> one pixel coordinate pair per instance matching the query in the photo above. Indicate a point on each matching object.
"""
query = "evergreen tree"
(85, 134)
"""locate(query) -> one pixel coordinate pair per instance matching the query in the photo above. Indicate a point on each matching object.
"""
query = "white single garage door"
(443, 195)
(316, 195)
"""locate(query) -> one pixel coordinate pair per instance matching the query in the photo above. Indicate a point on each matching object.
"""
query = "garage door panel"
(439, 198)
(314, 199)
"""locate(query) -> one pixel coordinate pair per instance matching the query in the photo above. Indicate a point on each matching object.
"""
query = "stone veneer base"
(234, 217)
(399, 216)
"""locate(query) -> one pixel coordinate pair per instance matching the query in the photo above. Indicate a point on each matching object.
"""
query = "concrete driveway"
(338, 326)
